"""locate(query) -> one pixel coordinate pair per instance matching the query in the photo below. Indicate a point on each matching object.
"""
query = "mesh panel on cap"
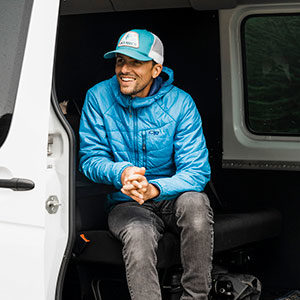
(157, 50)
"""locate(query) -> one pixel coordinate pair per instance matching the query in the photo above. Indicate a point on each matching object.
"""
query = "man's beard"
(136, 89)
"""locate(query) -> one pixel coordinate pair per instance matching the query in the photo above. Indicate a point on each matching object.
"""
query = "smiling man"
(144, 135)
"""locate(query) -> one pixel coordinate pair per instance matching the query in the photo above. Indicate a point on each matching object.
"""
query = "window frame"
(245, 75)
(241, 148)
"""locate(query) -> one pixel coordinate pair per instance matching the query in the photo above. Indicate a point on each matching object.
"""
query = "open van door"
(34, 154)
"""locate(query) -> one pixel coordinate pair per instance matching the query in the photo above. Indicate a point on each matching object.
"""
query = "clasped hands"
(136, 185)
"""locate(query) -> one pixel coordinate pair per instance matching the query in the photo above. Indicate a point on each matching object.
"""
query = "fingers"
(135, 171)
(135, 184)
(139, 201)
(140, 171)
(128, 187)
(136, 177)
(134, 195)
(134, 190)
(131, 171)
(137, 194)
(142, 190)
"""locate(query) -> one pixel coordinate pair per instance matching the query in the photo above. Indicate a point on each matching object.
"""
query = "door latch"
(52, 205)
(50, 145)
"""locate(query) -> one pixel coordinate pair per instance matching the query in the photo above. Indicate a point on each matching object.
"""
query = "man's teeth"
(127, 79)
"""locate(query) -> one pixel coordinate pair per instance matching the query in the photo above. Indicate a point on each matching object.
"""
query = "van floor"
(116, 289)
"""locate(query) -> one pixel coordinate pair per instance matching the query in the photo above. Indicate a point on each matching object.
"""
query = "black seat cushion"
(231, 230)
(236, 229)
(104, 248)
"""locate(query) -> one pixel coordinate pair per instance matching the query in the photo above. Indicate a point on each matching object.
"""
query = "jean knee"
(195, 207)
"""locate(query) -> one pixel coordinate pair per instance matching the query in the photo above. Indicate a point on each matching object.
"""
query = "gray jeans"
(140, 227)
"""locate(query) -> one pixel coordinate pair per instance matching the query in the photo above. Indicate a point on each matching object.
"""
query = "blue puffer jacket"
(162, 133)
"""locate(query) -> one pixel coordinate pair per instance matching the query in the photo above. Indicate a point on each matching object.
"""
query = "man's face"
(134, 76)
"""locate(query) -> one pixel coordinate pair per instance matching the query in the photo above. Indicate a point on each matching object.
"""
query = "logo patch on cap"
(130, 39)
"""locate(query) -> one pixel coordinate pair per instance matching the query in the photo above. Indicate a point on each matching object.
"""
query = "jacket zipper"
(132, 114)
(135, 132)
(130, 108)
(144, 149)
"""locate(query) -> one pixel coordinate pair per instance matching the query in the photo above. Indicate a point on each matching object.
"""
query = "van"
(240, 61)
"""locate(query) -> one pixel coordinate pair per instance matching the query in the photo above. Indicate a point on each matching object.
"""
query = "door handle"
(17, 184)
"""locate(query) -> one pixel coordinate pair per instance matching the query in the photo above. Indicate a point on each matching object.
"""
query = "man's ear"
(156, 70)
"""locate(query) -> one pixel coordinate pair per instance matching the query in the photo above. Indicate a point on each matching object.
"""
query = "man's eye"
(119, 60)
(137, 63)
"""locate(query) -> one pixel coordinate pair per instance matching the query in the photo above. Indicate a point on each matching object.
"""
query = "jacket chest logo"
(154, 132)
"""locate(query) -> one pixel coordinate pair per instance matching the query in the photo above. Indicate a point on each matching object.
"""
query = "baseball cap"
(139, 44)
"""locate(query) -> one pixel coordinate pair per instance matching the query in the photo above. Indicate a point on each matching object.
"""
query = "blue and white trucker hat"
(139, 44)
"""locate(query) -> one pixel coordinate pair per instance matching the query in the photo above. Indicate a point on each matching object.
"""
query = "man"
(144, 136)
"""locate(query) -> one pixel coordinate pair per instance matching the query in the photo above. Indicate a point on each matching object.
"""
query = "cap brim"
(128, 52)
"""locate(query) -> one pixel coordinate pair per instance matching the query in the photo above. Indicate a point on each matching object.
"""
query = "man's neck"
(145, 91)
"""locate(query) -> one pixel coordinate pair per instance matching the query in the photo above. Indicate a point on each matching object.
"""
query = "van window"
(14, 21)
(271, 55)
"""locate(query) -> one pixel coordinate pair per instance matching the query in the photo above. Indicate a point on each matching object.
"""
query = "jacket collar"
(138, 102)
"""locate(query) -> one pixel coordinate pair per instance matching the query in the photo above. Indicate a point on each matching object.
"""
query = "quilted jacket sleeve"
(95, 156)
(190, 156)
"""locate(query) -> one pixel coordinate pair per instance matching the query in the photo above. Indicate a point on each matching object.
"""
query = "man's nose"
(126, 68)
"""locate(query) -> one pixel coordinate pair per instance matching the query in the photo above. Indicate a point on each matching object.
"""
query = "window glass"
(271, 49)
(14, 21)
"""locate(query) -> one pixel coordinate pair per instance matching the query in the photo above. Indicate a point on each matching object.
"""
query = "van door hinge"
(52, 205)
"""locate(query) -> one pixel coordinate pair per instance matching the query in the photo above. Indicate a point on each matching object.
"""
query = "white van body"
(34, 238)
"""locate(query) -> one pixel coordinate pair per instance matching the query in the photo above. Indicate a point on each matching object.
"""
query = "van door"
(33, 177)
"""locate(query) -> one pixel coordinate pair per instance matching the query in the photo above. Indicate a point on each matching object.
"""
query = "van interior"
(256, 211)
